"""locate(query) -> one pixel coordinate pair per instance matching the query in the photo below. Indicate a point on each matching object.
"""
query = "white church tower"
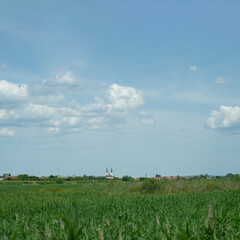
(109, 175)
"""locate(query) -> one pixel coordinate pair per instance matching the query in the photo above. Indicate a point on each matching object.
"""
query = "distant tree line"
(53, 178)
(126, 178)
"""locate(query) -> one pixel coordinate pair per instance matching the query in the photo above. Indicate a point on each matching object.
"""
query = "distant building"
(44, 177)
(2, 178)
(109, 175)
(11, 177)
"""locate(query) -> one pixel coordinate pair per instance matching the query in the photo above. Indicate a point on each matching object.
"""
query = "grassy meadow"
(207, 209)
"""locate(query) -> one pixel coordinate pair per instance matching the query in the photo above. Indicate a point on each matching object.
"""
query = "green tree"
(23, 177)
(230, 175)
(127, 178)
(59, 180)
(6, 174)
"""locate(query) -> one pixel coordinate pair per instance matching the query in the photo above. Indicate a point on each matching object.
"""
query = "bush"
(150, 185)
(60, 181)
(135, 188)
(236, 178)
(127, 178)
(230, 175)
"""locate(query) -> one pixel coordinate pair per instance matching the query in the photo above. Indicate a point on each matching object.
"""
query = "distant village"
(108, 176)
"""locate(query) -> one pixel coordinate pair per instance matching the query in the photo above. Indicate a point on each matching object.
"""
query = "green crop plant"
(108, 210)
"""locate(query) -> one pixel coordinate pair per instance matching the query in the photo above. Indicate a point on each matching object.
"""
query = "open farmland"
(108, 210)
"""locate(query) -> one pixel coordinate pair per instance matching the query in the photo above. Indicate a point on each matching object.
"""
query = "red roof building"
(11, 177)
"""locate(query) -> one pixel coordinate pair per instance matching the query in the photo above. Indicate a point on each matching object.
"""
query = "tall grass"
(184, 186)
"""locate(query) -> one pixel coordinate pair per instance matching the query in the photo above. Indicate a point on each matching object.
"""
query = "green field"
(115, 210)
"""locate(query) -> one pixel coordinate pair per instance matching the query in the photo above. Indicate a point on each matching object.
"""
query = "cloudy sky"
(144, 87)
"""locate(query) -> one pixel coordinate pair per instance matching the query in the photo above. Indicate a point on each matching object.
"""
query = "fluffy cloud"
(226, 117)
(42, 116)
(220, 81)
(59, 83)
(4, 132)
(98, 106)
(33, 111)
(123, 98)
(12, 91)
(56, 114)
(51, 130)
(40, 113)
(60, 79)
(117, 98)
(66, 121)
(193, 68)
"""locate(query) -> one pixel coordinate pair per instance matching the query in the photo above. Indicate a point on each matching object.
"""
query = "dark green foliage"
(6, 174)
(25, 177)
(59, 180)
(230, 175)
(236, 178)
(127, 178)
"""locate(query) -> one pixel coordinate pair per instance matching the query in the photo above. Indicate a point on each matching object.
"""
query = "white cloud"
(12, 91)
(4, 114)
(193, 68)
(60, 79)
(33, 111)
(60, 83)
(220, 81)
(4, 132)
(68, 121)
(41, 116)
(51, 130)
(57, 114)
(226, 117)
(98, 106)
(96, 120)
(123, 98)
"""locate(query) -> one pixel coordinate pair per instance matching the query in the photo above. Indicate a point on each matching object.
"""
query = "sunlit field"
(116, 210)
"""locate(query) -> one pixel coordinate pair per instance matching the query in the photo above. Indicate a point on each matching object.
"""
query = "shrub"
(127, 178)
(150, 185)
(236, 178)
(60, 181)
(136, 187)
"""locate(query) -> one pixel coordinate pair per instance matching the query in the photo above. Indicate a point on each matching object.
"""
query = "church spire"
(107, 174)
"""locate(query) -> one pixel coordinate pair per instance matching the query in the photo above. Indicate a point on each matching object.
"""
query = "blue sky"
(144, 87)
